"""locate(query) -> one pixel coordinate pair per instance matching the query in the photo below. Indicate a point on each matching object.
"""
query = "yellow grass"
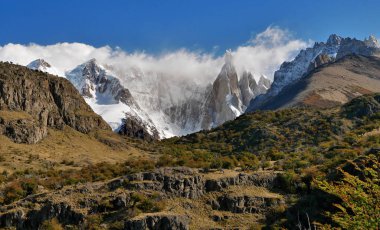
(14, 115)
(61, 147)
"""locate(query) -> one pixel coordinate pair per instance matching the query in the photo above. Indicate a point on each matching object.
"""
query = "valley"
(84, 151)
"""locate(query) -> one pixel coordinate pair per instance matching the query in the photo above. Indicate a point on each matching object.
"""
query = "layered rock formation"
(31, 102)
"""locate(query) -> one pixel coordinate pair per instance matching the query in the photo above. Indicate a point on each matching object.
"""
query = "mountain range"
(308, 61)
(301, 152)
(153, 105)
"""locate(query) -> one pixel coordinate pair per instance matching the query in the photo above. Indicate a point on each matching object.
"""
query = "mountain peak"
(228, 57)
(92, 61)
(44, 66)
(36, 64)
(371, 41)
(334, 39)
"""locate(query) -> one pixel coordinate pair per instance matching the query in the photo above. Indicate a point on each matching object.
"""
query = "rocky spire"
(225, 101)
(334, 40)
(371, 41)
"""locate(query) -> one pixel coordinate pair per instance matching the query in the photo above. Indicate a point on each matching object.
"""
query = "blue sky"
(159, 26)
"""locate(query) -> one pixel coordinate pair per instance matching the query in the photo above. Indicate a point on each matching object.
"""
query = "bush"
(51, 224)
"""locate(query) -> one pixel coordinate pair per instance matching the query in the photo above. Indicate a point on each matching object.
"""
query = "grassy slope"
(67, 149)
(305, 144)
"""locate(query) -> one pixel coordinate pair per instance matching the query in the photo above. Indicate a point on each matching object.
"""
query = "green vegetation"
(305, 144)
(330, 156)
(294, 138)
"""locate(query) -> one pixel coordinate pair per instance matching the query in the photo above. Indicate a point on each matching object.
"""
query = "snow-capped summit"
(157, 105)
(42, 65)
(108, 97)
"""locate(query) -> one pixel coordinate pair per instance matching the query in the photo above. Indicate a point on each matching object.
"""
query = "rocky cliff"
(33, 101)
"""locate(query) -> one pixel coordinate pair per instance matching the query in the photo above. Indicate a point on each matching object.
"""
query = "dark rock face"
(321, 59)
(158, 222)
(48, 100)
(34, 218)
(185, 182)
(243, 204)
(133, 127)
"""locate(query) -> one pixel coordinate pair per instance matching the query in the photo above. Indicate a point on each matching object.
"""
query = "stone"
(158, 222)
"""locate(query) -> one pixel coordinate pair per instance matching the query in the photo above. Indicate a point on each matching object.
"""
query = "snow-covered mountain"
(153, 105)
(321, 53)
(108, 97)
(43, 66)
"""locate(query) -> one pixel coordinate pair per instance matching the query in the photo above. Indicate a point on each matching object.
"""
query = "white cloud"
(262, 54)
(265, 52)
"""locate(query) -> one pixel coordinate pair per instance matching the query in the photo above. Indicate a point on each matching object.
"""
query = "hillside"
(267, 169)
(45, 123)
(330, 85)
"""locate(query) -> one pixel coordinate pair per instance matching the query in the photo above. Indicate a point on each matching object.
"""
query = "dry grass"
(14, 115)
(251, 191)
(221, 174)
(201, 215)
(372, 133)
(62, 150)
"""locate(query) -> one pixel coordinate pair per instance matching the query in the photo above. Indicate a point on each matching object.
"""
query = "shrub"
(51, 224)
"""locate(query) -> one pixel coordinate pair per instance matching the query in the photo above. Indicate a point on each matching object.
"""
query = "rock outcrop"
(33, 219)
(120, 198)
(188, 183)
(32, 101)
(244, 204)
(137, 128)
(155, 222)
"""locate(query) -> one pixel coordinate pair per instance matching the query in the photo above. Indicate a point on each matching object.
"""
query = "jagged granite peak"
(264, 82)
(334, 40)
(247, 85)
(371, 41)
(31, 102)
(250, 88)
(350, 46)
(307, 60)
(44, 66)
(224, 103)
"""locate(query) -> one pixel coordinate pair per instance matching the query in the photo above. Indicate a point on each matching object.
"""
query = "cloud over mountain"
(263, 53)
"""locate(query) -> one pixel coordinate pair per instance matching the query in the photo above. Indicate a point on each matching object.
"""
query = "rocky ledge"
(163, 221)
